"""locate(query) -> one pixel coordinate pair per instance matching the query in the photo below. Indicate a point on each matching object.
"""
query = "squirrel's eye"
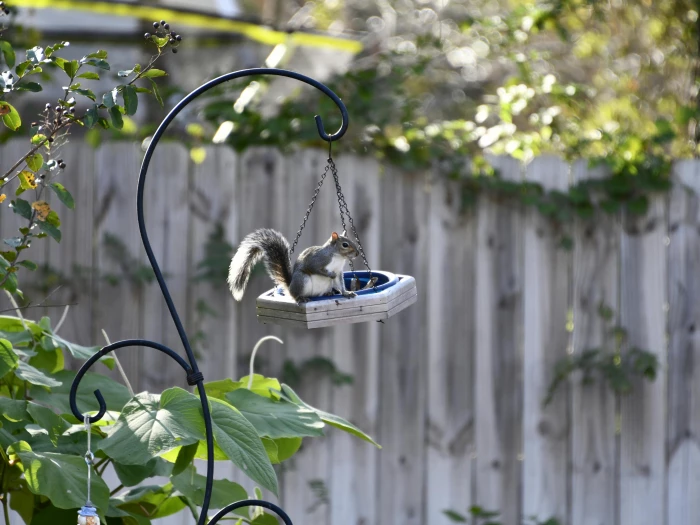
(345, 245)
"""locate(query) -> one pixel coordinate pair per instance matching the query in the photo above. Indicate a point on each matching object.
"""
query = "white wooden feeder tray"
(392, 294)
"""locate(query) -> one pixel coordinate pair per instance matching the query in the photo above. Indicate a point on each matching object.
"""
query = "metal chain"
(308, 210)
(89, 457)
(343, 206)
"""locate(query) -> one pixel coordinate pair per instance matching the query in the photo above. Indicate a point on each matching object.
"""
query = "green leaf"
(38, 139)
(10, 324)
(71, 68)
(100, 53)
(63, 194)
(639, 205)
(50, 361)
(8, 358)
(14, 410)
(333, 420)
(116, 395)
(265, 519)
(33, 375)
(13, 242)
(271, 450)
(34, 87)
(276, 419)
(239, 440)
(22, 68)
(11, 283)
(50, 515)
(116, 115)
(455, 517)
(29, 265)
(261, 385)
(85, 92)
(154, 73)
(185, 458)
(109, 99)
(156, 93)
(90, 75)
(35, 162)
(54, 424)
(102, 64)
(131, 100)
(192, 486)
(287, 447)
(151, 501)
(22, 502)
(198, 155)
(36, 55)
(151, 425)
(22, 208)
(91, 116)
(50, 230)
(43, 470)
(132, 475)
(10, 117)
(8, 53)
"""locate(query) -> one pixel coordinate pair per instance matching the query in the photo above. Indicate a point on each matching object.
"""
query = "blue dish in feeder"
(391, 294)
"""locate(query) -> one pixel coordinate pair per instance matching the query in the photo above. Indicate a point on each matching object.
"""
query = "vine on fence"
(616, 362)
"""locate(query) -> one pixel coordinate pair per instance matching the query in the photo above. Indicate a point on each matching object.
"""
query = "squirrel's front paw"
(302, 300)
(349, 294)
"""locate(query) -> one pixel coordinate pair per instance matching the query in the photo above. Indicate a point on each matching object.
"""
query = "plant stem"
(5, 509)
(116, 490)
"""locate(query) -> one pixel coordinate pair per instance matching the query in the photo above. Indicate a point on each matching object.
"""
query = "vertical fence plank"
(355, 351)
(210, 305)
(593, 440)
(210, 317)
(545, 307)
(306, 487)
(403, 370)
(683, 506)
(119, 307)
(498, 382)
(450, 419)
(260, 200)
(73, 256)
(167, 219)
(643, 435)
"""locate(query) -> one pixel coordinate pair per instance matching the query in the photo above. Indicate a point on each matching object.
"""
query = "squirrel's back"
(268, 245)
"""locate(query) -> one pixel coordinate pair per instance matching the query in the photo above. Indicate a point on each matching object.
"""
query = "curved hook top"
(159, 133)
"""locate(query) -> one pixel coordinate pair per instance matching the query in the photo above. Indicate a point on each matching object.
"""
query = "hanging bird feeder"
(379, 294)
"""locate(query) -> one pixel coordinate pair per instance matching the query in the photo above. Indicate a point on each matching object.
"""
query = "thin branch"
(62, 319)
(119, 366)
(255, 351)
(17, 310)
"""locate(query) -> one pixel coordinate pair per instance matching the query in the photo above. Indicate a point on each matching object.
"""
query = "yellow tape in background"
(264, 35)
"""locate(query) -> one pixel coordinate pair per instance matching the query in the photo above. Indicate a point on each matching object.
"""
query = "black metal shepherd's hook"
(194, 376)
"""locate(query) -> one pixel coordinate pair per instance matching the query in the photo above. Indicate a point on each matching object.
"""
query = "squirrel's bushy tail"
(265, 244)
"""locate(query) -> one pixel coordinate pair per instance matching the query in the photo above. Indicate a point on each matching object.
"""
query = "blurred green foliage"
(443, 84)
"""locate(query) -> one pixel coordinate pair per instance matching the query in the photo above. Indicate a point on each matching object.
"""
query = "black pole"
(194, 376)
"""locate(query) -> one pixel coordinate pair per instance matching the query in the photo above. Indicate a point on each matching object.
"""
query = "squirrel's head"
(345, 246)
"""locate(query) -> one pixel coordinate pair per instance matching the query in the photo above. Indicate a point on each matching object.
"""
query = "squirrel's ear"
(345, 233)
(334, 236)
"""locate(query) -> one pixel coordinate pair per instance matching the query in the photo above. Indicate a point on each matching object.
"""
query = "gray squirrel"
(317, 271)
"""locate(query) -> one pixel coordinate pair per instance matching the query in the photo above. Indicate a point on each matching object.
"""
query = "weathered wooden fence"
(452, 387)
